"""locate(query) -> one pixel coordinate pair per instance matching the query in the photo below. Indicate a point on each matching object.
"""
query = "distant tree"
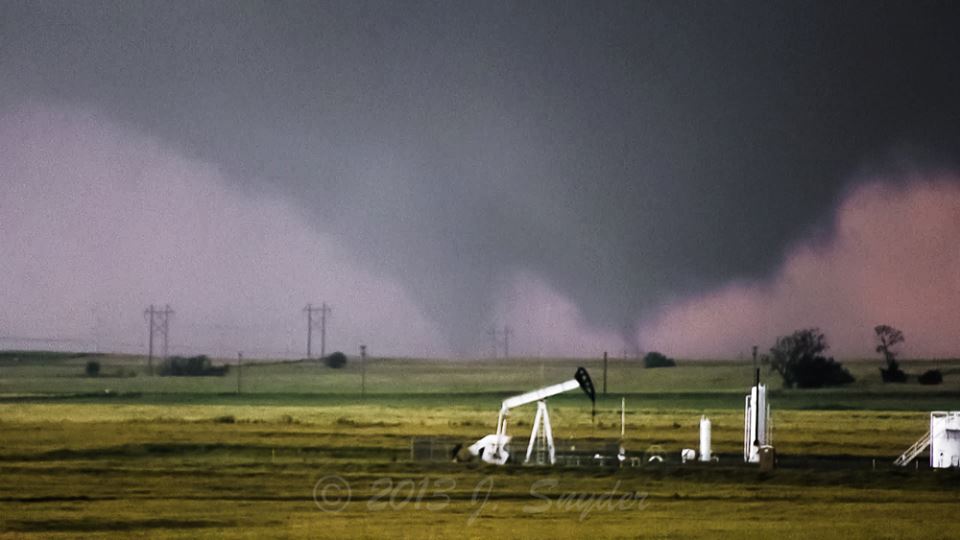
(799, 359)
(889, 337)
(193, 366)
(931, 376)
(93, 368)
(336, 360)
(654, 359)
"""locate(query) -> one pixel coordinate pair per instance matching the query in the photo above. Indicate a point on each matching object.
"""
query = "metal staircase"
(914, 451)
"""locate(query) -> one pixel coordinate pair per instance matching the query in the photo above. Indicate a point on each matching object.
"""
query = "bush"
(893, 374)
(93, 368)
(336, 360)
(931, 376)
(799, 360)
(653, 359)
(820, 371)
(194, 366)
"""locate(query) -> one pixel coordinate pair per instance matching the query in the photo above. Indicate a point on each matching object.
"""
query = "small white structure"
(705, 438)
(944, 439)
(756, 422)
(688, 454)
(487, 449)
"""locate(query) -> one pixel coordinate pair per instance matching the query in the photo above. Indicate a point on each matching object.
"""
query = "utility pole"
(312, 323)
(493, 333)
(754, 357)
(239, 370)
(97, 328)
(363, 370)
(149, 313)
(158, 323)
(507, 332)
(167, 312)
(604, 372)
(309, 310)
(324, 310)
(623, 417)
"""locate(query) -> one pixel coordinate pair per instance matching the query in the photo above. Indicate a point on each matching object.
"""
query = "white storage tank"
(756, 422)
(944, 439)
(705, 435)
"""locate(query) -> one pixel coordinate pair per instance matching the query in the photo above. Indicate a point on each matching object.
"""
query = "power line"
(158, 325)
(495, 342)
(312, 323)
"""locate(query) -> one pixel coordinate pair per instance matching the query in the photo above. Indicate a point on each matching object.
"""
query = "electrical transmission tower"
(494, 340)
(495, 336)
(158, 321)
(507, 332)
(317, 322)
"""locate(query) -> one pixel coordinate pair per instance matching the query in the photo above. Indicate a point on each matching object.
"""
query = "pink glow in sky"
(893, 258)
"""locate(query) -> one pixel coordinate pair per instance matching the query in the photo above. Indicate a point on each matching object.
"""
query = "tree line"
(801, 360)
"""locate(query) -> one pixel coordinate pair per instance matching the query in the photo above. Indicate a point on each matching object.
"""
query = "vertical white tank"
(944, 439)
(756, 423)
(705, 434)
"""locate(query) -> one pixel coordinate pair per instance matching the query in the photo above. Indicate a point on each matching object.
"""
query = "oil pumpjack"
(493, 448)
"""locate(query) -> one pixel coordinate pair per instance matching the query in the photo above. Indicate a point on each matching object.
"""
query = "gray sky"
(610, 157)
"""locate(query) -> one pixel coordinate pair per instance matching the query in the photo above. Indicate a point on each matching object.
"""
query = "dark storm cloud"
(623, 152)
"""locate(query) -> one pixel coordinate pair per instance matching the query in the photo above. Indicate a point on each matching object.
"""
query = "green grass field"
(188, 457)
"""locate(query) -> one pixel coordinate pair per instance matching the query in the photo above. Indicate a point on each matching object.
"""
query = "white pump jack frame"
(542, 416)
(493, 446)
